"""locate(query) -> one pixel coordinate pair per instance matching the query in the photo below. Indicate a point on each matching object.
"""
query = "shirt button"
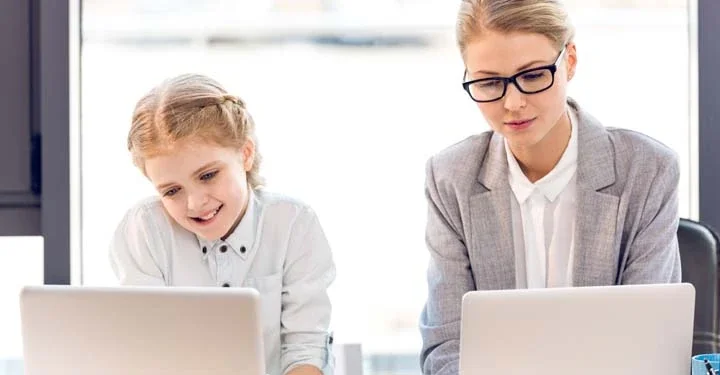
(204, 250)
(242, 250)
(226, 285)
(223, 248)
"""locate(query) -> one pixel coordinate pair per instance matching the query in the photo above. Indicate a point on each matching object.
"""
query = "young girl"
(212, 225)
(549, 197)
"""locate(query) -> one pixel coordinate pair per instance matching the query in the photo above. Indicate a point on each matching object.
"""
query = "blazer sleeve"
(653, 254)
(449, 277)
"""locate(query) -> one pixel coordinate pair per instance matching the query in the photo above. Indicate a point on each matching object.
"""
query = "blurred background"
(350, 98)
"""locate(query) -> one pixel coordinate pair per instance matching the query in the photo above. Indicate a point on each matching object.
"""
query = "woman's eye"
(533, 76)
(490, 84)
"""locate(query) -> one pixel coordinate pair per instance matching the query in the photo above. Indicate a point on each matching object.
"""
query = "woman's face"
(523, 119)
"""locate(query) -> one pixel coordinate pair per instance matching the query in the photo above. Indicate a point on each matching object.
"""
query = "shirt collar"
(552, 184)
(242, 239)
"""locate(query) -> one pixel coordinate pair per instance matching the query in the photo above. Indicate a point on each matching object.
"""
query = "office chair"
(699, 254)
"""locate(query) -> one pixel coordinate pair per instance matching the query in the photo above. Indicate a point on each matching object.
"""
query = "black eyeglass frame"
(513, 79)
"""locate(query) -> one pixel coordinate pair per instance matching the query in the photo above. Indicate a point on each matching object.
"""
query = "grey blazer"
(626, 224)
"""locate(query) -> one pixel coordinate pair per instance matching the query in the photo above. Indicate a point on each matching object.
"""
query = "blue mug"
(698, 363)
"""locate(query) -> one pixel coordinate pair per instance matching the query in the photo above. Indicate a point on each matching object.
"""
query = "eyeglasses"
(530, 81)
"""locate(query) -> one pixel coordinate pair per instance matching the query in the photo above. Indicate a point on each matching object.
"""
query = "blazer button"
(223, 248)
(242, 250)
(204, 250)
(226, 285)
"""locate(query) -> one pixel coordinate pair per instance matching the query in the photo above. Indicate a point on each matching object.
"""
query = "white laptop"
(141, 331)
(618, 330)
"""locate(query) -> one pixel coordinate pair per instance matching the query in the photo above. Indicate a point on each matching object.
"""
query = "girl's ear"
(248, 154)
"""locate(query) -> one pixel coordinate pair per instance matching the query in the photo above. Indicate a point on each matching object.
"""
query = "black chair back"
(699, 248)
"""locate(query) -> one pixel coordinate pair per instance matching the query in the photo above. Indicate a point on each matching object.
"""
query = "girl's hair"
(190, 107)
(544, 17)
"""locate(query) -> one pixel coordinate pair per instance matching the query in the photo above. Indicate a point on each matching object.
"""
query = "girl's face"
(523, 119)
(203, 186)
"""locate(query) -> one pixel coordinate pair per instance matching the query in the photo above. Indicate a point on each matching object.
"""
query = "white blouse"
(278, 248)
(543, 215)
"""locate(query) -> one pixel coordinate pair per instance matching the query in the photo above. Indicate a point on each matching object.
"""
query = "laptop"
(141, 331)
(618, 330)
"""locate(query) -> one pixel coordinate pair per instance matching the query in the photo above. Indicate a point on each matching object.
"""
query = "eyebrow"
(525, 66)
(197, 171)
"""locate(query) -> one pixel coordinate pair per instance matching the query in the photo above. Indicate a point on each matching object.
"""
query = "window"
(350, 99)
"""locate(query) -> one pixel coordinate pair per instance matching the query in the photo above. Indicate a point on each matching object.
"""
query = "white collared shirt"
(543, 216)
(278, 248)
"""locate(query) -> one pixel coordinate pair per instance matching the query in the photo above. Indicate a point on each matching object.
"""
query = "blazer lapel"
(492, 222)
(594, 258)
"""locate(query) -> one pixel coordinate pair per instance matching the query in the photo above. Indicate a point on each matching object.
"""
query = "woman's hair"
(190, 107)
(544, 17)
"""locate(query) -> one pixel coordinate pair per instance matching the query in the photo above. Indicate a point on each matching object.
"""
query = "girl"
(212, 224)
(549, 197)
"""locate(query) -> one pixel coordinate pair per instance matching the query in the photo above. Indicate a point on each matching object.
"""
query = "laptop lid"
(141, 331)
(619, 330)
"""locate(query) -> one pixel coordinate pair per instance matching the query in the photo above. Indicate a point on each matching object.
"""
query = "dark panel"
(15, 94)
(52, 68)
(709, 111)
(19, 221)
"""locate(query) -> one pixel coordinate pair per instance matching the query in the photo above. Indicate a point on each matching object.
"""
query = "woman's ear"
(571, 52)
(248, 154)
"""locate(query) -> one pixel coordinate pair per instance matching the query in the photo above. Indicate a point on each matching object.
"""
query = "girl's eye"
(208, 176)
(171, 192)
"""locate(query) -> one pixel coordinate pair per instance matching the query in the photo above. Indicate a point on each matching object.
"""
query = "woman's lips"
(520, 124)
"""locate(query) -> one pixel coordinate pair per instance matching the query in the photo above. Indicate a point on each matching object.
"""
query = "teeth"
(210, 215)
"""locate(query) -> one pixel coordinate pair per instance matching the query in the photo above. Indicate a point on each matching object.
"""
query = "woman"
(549, 197)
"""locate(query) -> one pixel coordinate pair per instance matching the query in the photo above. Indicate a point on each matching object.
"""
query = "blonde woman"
(549, 197)
(212, 225)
